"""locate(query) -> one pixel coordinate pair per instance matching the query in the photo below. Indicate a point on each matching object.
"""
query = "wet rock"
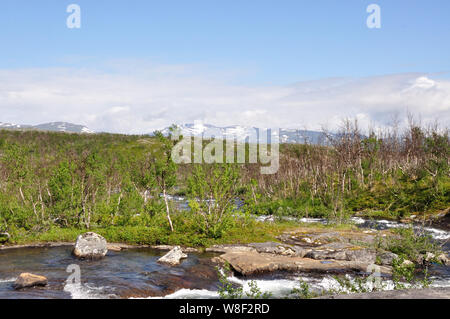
(337, 246)
(226, 248)
(115, 248)
(387, 258)
(327, 254)
(279, 249)
(170, 247)
(27, 280)
(91, 246)
(444, 259)
(250, 263)
(361, 255)
(173, 257)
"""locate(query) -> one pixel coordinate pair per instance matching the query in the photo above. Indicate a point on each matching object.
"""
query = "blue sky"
(275, 41)
(247, 43)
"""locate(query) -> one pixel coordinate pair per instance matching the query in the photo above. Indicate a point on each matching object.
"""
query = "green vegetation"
(304, 291)
(54, 186)
(229, 291)
(390, 174)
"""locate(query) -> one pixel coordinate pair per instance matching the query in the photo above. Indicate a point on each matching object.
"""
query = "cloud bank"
(140, 100)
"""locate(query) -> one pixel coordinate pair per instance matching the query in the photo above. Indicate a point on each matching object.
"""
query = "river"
(135, 273)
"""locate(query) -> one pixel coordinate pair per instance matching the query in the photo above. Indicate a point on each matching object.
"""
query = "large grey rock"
(387, 258)
(279, 249)
(361, 255)
(251, 263)
(173, 257)
(91, 246)
(227, 248)
(327, 254)
(27, 280)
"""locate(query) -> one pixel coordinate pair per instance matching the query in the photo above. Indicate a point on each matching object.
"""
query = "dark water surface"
(136, 273)
(129, 273)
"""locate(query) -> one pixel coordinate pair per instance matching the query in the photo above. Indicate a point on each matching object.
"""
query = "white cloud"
(145, 99)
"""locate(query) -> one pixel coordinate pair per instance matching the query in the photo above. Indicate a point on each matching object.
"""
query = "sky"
(139, 65)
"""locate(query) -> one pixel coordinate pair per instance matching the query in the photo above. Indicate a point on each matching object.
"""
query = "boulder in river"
(173, 257)
(27, 280)
(91, 246)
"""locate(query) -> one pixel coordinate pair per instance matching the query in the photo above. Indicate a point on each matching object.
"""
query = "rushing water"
(135, 273)
(130, 273)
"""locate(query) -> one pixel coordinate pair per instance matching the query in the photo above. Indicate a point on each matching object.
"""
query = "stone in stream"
(327, 254)
(27, 280)
(173, 257)
(91, 246)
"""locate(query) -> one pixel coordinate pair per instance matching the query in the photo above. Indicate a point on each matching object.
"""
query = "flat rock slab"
(430, 293)
(229, 248)
(250, 263)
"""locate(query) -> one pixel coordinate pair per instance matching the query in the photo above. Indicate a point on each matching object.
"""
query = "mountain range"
(53, 127)
(240, 133)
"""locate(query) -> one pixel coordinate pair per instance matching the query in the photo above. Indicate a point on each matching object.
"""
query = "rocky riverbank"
(309, 249)
(428, 293)
(312, 250)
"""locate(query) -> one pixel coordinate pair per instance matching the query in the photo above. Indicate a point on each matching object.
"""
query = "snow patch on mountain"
(53, 127)
(247, 133)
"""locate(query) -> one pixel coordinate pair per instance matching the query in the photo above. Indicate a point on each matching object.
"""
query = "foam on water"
(437, 234)
(277, 287)
(7, 280)
(358, 220)
(190, 294)
(438, 282)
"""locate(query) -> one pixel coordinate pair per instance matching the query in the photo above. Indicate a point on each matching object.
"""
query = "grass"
(240, 233)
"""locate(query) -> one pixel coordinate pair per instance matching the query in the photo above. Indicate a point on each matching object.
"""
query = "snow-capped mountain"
(11, 126)
(53, 127)
(242, 133)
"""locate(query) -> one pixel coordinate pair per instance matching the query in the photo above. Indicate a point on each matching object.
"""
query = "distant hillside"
(53, 127)
(240, 133)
